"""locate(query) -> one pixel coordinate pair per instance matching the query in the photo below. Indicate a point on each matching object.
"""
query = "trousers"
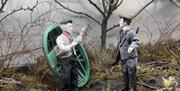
(129, 74)
(68, 73)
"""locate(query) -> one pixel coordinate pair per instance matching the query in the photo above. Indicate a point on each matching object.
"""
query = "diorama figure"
(66, 58)
(128, 43)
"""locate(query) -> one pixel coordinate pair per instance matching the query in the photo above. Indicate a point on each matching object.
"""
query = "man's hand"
(74, 43)
(130, 49)
(78, 38)
(83, 30)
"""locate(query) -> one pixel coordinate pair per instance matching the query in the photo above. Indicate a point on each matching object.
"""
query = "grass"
(166, 51)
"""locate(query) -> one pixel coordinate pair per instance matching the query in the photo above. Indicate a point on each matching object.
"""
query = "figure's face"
(69, 27)
(122, 23)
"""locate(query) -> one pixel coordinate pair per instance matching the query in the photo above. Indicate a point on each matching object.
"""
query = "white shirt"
(126, 28)
(63, 42)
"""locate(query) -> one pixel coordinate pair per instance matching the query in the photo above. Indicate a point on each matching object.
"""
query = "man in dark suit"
(128, 43)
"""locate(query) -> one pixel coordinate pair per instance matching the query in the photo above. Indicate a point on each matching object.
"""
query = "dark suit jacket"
(127, 38)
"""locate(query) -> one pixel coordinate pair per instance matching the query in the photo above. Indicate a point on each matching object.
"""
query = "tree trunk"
(103, 33)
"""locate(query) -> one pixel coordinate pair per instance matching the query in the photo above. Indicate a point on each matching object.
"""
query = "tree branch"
(104, 6)
(10, 81)
(3, 3)
(110, 8)
(29, 8)
(114, 26)
(142, 9)
(14, 11)
(113, 4)
(171, 51)
(117, 5)
(11, 13)
(18, 52)
(95, 5)
(81, 13)
(141, 82)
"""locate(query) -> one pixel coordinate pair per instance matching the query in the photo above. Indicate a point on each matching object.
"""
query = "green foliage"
(37, 72)
(8, 72)
(161, 50)
(103, 73)
(40, 69)
(30, 75)
(29, 81)
(100, 61)
(102, 57)
(166, 51)
(146, 71)
(145, 53)
(8, 86)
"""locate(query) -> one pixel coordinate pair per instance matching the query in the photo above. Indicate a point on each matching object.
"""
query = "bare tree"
(168, 27)
(4, 2)
(164, 29)
(18, 41)
(108, 7)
